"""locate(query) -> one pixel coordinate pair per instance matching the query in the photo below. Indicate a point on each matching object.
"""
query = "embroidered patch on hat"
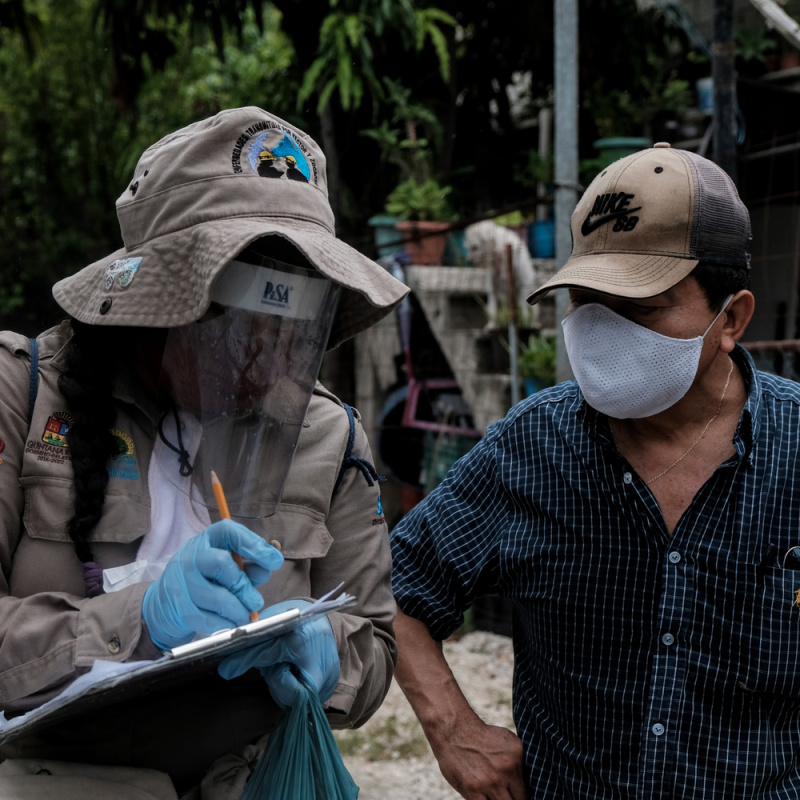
(57, 428)
(273, 152)
(123, 269)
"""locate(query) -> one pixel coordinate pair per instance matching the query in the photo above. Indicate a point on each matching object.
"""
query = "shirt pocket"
(771, 635)
(49, 505)
(298, 532)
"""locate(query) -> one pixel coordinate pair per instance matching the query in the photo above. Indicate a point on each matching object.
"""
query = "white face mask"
(625, 370)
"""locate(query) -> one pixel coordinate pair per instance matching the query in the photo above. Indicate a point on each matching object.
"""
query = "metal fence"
(780, 357)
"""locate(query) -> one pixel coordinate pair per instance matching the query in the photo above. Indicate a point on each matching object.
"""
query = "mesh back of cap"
(721, 227)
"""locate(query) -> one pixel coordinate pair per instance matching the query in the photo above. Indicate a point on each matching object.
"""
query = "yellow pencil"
(222, 505)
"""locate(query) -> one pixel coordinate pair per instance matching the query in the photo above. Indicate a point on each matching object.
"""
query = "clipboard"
(113, 682)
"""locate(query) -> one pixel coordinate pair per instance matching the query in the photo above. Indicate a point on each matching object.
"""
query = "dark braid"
(90, 365)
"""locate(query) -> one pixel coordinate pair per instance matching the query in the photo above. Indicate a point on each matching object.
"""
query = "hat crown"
(663, 202)
(647, 220)
(198, 198)
(238, 163)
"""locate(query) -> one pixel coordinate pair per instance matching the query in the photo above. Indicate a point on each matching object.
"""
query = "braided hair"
(91, 357)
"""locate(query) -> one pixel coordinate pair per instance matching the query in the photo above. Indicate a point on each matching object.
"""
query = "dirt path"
(389, 757)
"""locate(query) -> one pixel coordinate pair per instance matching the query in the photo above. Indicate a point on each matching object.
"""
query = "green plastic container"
(388, 240)
(620, 146)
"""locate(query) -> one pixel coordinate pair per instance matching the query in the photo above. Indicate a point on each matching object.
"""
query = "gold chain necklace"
(697, 440)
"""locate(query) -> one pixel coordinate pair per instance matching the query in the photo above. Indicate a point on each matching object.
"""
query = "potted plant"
(423, 218)
(419, 201)
(536, 363)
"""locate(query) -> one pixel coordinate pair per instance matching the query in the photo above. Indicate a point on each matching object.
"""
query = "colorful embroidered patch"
(56, 429)
(122, 464)
(125, 269)
(273, 152)
(2, 447)
(53, 447)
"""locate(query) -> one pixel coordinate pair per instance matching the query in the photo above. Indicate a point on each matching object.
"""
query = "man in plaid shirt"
(644, 519)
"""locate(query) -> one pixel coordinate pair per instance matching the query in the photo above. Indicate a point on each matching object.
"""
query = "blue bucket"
(541, 238)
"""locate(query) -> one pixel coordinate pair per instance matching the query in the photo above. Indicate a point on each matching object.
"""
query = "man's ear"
(737, 317)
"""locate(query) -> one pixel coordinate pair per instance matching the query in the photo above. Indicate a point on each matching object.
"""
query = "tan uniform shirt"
(50, 632)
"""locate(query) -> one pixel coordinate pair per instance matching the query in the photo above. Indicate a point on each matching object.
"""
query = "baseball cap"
(647, 220)
(200, 196)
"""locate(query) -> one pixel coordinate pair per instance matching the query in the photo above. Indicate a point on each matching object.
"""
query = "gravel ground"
(389, 757)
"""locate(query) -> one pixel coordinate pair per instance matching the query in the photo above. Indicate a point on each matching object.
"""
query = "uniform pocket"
(49, 505)
(298, 532)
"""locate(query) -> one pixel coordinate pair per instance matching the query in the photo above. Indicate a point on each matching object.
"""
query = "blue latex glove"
(311, 648)
(202, 589)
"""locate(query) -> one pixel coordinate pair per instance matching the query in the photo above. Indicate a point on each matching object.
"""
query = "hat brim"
(172, 285)
(630, 275)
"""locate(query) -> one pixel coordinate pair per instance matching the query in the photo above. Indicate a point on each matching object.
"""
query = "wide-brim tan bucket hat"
(198, 197)
(647, 220)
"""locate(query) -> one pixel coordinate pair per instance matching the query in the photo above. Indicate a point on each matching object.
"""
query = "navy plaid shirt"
(647, 665)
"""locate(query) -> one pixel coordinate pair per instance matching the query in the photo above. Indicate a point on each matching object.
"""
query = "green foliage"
(538, 169)
(502, 317)
(426, 201)
(537, 359)
(625, 113)
(67, 152)
(57, 149)
(345, 54)
(343, 43)
(628, 93)
(196, 82)
(510, 220)
(429, 23)
(138, 33)
(399, 140)
(754, 44)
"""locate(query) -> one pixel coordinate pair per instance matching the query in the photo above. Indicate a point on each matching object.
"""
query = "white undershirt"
(174, 519)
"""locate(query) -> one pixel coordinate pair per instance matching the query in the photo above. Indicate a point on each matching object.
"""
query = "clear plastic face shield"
(241, 379)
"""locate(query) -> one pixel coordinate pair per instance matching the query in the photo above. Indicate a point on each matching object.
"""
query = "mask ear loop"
(721, 312)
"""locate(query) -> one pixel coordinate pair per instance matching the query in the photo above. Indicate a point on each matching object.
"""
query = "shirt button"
(275, 543)
(668, 638)
(114, 646)
(658, 729)
(674, 557)
(627, 478)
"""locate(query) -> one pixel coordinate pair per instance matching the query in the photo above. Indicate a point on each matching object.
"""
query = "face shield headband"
(241, 379)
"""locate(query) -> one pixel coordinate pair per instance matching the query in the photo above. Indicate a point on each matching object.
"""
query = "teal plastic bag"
(301, 760)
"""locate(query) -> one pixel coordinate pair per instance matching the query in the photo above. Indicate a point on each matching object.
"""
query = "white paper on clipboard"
(109, 681)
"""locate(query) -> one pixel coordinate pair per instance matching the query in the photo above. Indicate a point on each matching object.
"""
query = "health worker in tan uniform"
(193, 348)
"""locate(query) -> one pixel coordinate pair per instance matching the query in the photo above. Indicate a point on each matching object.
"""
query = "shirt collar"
(750, 419)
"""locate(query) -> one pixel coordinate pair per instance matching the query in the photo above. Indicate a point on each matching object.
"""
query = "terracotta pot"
(424, 241)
